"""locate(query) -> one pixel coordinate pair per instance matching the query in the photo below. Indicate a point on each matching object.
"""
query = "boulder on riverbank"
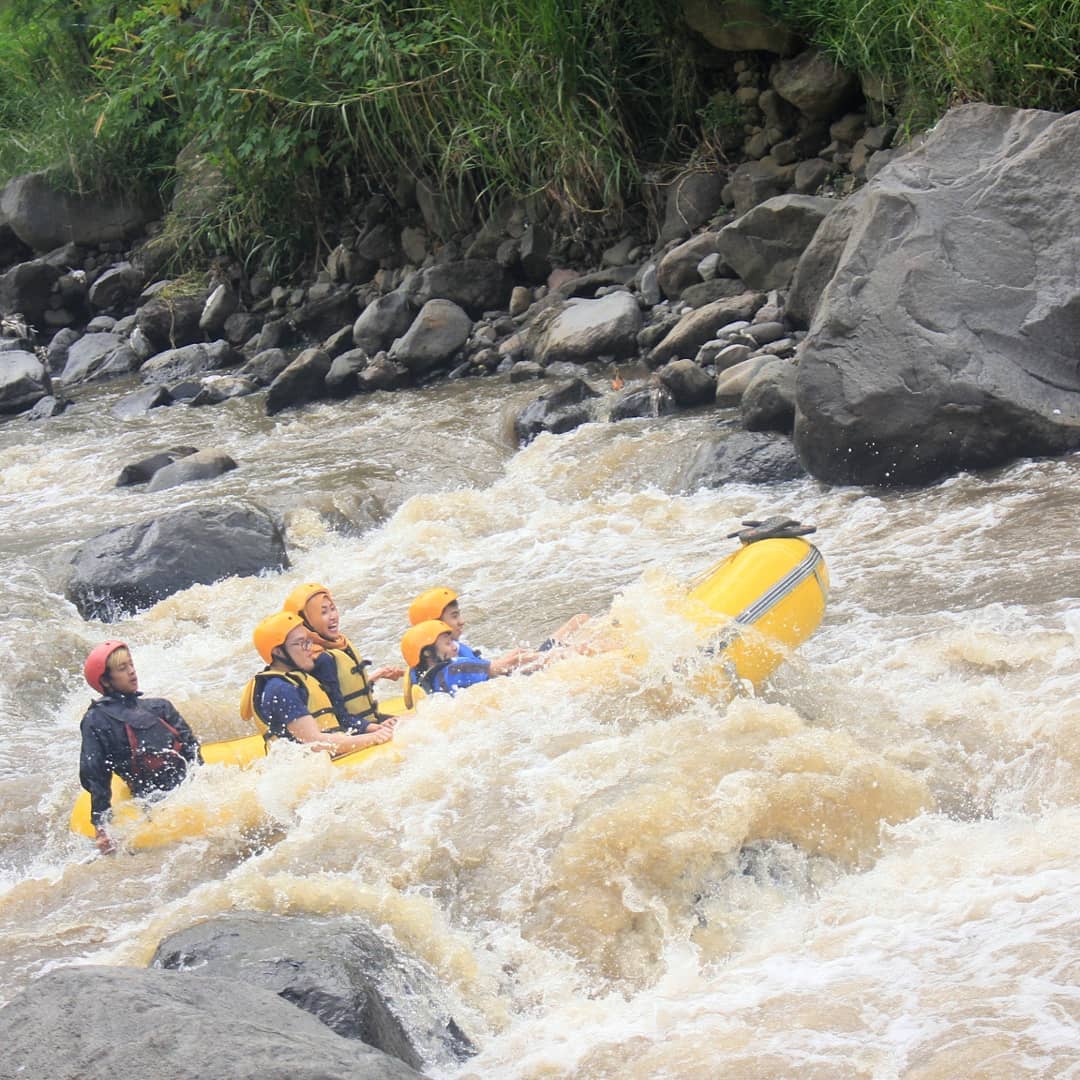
(947, 338)
(110, 1023)
(134, 566)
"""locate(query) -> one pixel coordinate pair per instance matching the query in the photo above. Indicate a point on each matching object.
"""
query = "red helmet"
(98, 661)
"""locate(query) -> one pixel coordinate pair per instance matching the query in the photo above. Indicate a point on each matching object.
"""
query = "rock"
(526, 370)
(44, 217)
(739, 26)
(649, 286)
(341, 378)
(382, 322)
(83, 1022)
(819, 260)
(814, 84)
(133, 566)
(520, 300)
(323, 315)
(91, 354)
(220, 304)
(340, 970)
(694, 329)
(679, 267)
(190, 360)
(763, 245)
(23, 381)
(766, 332)
(768, 403)
(732, 382)
(382, 373)
(140, 403)
(811, 174)
(27, 289)
(46, 408)
(203, 465)
(721, 288)
(643, 401)
(218, 388)
(139, 472)
(57, 352)
(688, 383)
(264, 367)
(585, 329)
(169, 322)
(534, 255)
(477, 285)
(433, 340)
(558, 411)
(239, 327)
(753, 182)
(747, 457)
(117, 288)
(102, 324)
(302, 381)
(415, 245)
(692, 200)
(946, 339)
(726, 357)
(341, 341)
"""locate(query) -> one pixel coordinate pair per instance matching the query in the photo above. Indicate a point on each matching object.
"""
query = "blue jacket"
(453, 675)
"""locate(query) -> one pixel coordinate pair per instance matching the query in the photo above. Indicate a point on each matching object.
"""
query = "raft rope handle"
(777, 527)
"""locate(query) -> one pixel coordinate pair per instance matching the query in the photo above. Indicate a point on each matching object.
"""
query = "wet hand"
(104, 843)
(386, 672)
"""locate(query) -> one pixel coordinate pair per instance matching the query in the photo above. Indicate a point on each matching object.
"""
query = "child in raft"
(338, 666)
(443, 604)
(436, 666)
(287, 698)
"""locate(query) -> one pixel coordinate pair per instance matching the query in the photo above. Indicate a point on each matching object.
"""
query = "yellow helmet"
(298, 599)
(419, 637)
(273, 631)
(431, 604)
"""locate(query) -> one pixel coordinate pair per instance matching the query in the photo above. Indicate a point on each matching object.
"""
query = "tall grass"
(930, 54)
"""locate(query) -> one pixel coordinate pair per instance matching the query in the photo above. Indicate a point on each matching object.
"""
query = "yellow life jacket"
(319, 705)
(360, 701)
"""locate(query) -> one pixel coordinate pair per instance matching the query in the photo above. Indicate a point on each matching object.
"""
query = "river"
(867, 870)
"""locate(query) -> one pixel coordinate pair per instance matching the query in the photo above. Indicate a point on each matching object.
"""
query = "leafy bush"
(935, 53)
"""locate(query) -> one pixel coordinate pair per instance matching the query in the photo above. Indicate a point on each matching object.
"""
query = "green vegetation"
(930, 54)
(307, 106)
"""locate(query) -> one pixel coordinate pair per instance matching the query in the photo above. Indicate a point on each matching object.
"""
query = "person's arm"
(511, 661)
(387, 671)
(95, 775)
(306, 729)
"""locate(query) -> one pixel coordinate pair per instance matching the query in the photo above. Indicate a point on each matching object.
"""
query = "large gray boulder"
(188, 361)
(763, 246)
(302, 381)
(96, 354)
(560, 410)
(23, 381)
(340, 970)
(586, 329)
(819, 260)
(133, 566)
(106, 1023)
(383, 321)
(27, 289)
(202, 465)
(432, 341)
(477, 285)
(698, 326)
(45, 217)
(746, 457)
(947, 338)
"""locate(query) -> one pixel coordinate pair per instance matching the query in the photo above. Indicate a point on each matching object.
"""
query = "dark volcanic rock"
(134, 566)
(562, 409)
(748, 457)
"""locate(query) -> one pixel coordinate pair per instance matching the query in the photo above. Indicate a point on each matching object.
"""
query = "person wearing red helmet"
(145, 741)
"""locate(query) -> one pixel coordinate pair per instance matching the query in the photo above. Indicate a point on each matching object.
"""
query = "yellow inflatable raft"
(752, 608)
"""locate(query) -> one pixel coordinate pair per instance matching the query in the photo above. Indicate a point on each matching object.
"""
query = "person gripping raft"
(145, 741)
(286, 698)
(338, 666)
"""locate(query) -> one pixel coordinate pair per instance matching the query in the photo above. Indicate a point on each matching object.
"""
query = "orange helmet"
(97, 662)
(431, 604)
(298, 599)
(273, 631)
(419, 637)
